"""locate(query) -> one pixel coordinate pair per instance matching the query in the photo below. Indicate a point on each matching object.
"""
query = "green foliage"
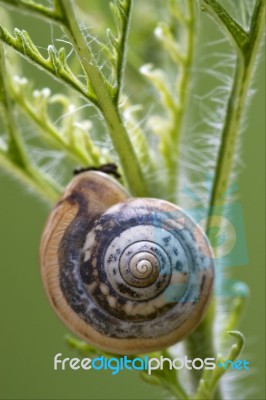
(210, 378)
(93, 76)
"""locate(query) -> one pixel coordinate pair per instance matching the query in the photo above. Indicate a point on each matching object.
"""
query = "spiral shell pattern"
(128, 275)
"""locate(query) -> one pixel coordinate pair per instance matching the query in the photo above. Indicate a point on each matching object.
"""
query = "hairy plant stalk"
(105, 95)
(200, 342)
(183, 83)
(118, 133)
(49, 131)
(97, 86)
(17, 160)
(245, 68)
(33, 8)
(45, 191)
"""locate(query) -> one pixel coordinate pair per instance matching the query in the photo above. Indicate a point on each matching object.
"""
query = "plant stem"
(200, 343)
(16, 159)
(223, 19)
(183, 83)
(49, 132)
(245, 68)
(129, 161)
(33, 8)
(236, 105)
(123, 49)
(53, 64)
(46, 191)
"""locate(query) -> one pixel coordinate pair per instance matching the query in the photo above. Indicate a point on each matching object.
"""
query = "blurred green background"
(31, 334)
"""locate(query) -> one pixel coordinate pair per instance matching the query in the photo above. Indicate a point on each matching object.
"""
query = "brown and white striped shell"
(129, 275)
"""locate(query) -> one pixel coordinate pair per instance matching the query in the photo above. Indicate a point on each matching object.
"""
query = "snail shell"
(129, 275)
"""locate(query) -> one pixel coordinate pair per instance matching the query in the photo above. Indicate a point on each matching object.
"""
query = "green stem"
(16, 159)
(210, 379)
(15, 147)
(200, 342)
(183, 83)
(245, 67)
(236, 105)
(53, 65)
(123, 49)
(221, 16)
(171, 381)
(129, 161)
(122, 143)
(33, 8)
(49, 132)
(46, 191)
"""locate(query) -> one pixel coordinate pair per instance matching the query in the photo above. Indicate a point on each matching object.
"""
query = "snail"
(128, 275)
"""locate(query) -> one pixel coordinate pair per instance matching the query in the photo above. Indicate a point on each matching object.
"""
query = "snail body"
(129, 275)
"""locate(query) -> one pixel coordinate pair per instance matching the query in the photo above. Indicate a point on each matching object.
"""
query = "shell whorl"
(129, 275)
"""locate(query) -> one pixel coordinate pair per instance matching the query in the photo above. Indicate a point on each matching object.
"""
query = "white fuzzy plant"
(98, 118)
